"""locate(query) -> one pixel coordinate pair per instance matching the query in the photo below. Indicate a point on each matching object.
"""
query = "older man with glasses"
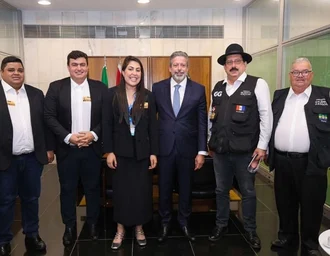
(241, 119)
(299, 151)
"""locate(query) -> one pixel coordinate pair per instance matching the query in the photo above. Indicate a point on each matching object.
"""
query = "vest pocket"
(241, 139)
(241, 111)
(218, 144)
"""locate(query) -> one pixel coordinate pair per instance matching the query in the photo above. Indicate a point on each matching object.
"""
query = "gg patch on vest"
(217, 94)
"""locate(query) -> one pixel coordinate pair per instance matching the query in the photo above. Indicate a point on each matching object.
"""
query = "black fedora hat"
(234, 49)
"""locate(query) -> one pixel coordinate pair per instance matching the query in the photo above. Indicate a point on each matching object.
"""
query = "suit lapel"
(33, 111)
(66, 99)
(167, 97)
(186, 97)
(3, 105)
(93, 94)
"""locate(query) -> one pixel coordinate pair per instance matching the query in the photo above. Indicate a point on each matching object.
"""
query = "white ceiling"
(125, 5)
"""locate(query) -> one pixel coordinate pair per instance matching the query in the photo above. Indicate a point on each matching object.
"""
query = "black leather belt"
(291, 154)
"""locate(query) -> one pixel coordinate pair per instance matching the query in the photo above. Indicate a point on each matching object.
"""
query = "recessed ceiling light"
(143, 1)
(44, 2)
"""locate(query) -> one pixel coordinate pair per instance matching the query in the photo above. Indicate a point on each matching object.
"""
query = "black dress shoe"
(188, 234)
(284, 243)
(70, 236)
(5, 249)
(217, 233)
(163, 233)
(253, 239)
(35, 244)
(94, 232)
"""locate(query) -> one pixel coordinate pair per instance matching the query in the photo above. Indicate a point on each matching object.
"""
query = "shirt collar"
(75, 85)
(7, 87)
(241, 78)
(307, 92)
(183, 83)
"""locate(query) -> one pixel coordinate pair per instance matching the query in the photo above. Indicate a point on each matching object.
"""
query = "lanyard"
(130, 119)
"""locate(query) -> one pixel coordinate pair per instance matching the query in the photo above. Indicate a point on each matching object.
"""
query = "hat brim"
(246, 57)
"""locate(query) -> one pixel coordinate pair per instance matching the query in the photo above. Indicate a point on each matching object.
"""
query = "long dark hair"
(138, 107)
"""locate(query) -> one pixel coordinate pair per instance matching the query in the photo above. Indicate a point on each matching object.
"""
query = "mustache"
(233, 69)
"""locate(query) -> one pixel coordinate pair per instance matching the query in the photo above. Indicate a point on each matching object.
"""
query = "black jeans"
(293, 190)
(85, 164)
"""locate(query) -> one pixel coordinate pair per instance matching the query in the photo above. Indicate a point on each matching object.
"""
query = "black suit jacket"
(187, 131)
(39, 130)
(119, 140)
(58, 115)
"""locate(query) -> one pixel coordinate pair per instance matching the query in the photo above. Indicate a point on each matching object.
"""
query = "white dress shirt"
(19, 111)
(182, 90)
(264, 107)
(81, 104)
(291, 134)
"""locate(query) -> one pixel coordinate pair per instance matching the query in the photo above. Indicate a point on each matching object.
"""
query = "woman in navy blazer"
(133, 146)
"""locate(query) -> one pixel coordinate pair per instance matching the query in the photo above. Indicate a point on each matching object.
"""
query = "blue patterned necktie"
(176, 99)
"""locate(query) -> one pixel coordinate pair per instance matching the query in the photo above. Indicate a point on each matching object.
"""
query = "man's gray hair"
(302, 59)
(179, 54)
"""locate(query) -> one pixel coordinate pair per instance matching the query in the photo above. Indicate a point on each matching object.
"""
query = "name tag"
(10, 103)
(146, 105)
(86, 98)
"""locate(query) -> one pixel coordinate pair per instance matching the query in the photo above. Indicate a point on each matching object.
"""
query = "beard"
(179, 78)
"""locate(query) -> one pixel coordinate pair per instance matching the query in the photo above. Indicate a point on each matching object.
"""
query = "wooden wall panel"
(156, 69)
(96, 64)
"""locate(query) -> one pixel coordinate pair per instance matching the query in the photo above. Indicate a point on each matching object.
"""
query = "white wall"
(45, 59)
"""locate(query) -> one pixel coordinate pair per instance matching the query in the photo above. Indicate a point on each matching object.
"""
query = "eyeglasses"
(237, 62)
(296, 73)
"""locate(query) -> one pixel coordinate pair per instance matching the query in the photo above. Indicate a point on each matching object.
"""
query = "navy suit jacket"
(58, 112)
(42, 137)
(188, 131)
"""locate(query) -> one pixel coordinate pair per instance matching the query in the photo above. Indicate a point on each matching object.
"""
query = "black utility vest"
(235, 119)
(317, 112)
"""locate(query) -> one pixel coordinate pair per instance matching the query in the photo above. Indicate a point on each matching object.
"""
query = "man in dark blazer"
(23, 152)
(73, 112)
(181, 107)
(299, 152)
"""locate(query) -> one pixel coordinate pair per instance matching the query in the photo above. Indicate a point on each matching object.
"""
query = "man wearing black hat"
(241, 119)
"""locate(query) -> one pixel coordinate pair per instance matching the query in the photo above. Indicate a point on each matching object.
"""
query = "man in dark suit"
(299, 152)
(23, 152)
(73, 111)
(181, 107)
